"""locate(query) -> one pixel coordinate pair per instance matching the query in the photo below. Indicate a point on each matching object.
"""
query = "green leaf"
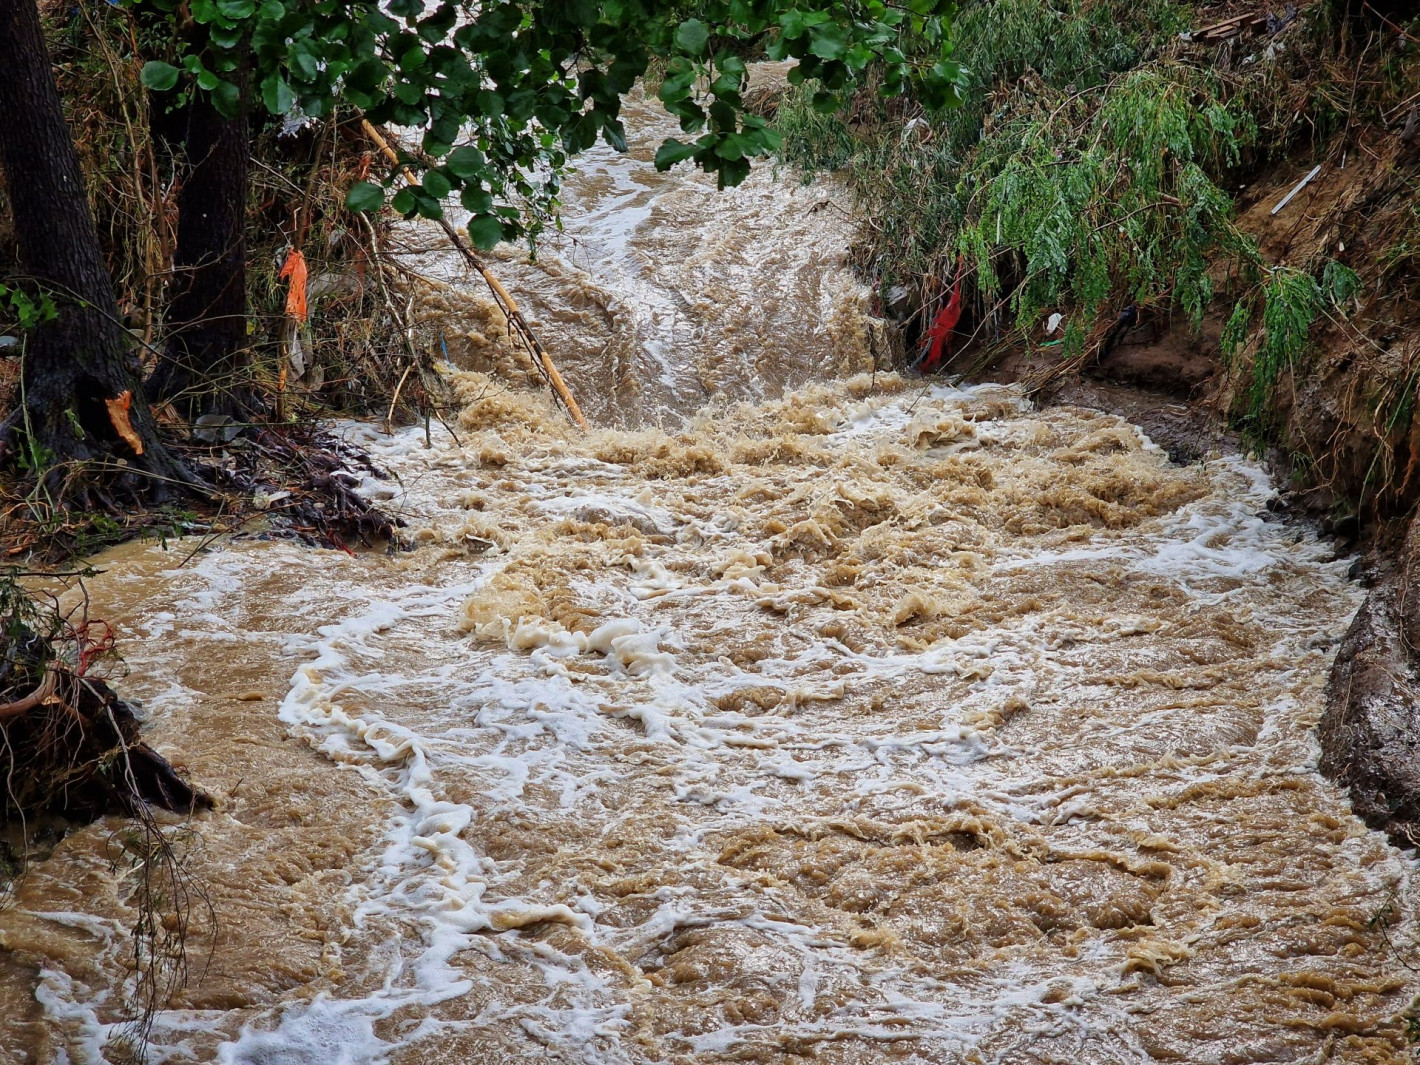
(676, 87)
(485, 231)
(437, 185)
(731, 146)
(236, 10)
(405, 202)
(672, 152)
(858, 57)
(428, 207)
(277, 95)
(489, 102)
(476, 200)
(225, 37)
(411, 93)
(466, 162)
(691, 36)
(727, 84)
(828, 42)
(732, 64)
(303, 61)
(160, 77)
(731, 172)
(365, 196)
(227, 99)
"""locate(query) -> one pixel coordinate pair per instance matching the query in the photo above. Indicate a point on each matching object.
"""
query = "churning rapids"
(865, 722)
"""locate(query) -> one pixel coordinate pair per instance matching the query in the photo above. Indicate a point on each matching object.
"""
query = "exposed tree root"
(312, 479)
(69, 745)
(299, 481)
(70, 751)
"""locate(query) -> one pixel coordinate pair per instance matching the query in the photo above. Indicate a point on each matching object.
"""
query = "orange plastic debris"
(946, 322)
(295, 268)
(118, 414)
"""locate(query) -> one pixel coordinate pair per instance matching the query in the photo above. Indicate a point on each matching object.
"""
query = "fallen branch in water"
(516, 322)
(73, 744)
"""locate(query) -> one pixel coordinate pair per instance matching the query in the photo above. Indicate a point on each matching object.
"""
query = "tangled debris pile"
(76, 741)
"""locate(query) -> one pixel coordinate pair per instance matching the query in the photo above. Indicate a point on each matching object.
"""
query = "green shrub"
(1084, 171)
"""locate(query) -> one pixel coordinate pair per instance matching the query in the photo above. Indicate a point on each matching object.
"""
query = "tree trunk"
(83, 399)
(205, 353)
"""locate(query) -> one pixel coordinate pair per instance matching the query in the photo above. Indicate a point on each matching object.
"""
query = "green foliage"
(159, 76)
(1088, 168)
(1074, 45)
(365, 196)
(1340, 283)
(1068, 198)
(1291, 300)
(1236, 331)
(1082, 173)
(1073, 176)
(1092, 205)
(508, 91)
(811, 139)
(1070, 45)
(26, 310)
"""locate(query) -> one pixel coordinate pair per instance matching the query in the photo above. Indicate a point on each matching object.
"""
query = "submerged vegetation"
(70, 751)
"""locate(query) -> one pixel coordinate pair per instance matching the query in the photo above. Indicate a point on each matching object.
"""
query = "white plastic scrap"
(1298, 187)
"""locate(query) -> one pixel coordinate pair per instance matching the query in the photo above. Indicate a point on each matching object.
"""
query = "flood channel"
(796, 712)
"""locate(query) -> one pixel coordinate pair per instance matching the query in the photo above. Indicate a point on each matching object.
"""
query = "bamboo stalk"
(505, 301)
(389, 418)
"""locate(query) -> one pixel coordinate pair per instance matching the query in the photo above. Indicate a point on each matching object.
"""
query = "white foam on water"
(520, 726)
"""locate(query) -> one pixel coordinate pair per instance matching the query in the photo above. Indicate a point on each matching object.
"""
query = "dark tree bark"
(202, 363)
(78, 366)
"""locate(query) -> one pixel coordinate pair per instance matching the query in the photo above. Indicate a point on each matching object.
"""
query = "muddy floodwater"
(872, 721)
(663, 294)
